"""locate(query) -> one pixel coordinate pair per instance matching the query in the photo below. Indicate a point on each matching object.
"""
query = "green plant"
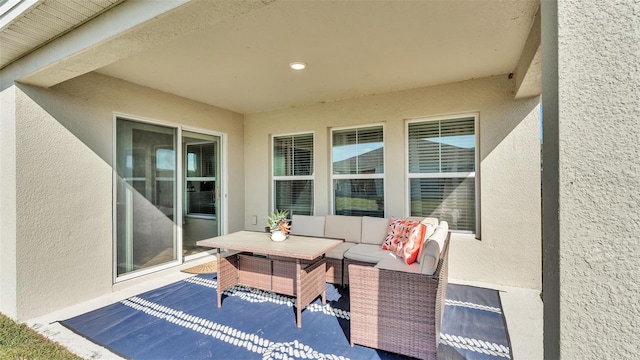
(276, 218)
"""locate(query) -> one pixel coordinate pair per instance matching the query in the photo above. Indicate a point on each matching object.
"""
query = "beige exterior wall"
(8, 202)
(64, 247)
(510, 250)
(592, 177)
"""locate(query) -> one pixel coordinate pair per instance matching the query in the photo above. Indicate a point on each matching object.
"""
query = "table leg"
(219, 262)
(298, 294)
(324, 297)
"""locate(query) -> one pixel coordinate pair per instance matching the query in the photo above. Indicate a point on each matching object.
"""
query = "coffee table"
(295, 266)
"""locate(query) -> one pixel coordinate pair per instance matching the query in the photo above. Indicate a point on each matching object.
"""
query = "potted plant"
(278, 225)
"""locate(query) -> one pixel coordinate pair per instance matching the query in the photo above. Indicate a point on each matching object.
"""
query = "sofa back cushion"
(430, 220)
(430, 256)
(440, 235)
(432, 247)
(348, 228)
(307, 225)
(374, 230)
(429, 230)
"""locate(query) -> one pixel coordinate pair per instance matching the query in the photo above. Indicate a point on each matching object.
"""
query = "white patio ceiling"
(239, 61)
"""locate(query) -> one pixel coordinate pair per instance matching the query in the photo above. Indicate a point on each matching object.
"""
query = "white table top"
(295, 246)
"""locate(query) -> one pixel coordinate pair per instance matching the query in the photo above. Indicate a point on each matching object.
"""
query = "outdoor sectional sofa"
(394, 306)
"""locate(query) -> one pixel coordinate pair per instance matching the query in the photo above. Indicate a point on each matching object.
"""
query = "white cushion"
(444, 225)
(307, 225)
(347, 228)
(427, 234)
(397, 264)
(367, 253)
(338, 251)
(430, 257)
(374, 230)
(430, 220)
(440, 235)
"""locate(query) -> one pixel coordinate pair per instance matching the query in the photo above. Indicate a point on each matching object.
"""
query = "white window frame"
(275, 178)
(332, 205)
(475, 174)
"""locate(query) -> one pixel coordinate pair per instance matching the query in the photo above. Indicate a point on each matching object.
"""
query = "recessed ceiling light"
(298, 65)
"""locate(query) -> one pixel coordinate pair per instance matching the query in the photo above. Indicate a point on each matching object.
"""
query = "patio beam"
(528, 74)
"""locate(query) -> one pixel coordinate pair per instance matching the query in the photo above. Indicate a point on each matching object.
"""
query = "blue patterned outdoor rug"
(182, 321)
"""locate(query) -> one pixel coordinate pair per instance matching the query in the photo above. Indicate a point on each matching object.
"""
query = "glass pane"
(303, 155)
(202, 203)
(201, 160)
(442, 146)
(359, 197)
(146, 195)
(358, 151)
(449, 199)
(201, 197)
(293, 155)
(296, 196)
(282, 156)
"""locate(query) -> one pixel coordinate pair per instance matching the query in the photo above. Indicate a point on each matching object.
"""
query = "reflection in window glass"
(359, 197)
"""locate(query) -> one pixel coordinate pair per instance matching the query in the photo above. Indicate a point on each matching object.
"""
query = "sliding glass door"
(201, 161)
(146, 196)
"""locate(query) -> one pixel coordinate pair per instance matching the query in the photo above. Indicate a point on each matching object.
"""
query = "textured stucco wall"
(64, 182)
(597, 135)
(510, 251)
(7, 203)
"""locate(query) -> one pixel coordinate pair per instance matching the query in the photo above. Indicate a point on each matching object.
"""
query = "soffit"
(26, 25)
(353, 48)
(238, 59)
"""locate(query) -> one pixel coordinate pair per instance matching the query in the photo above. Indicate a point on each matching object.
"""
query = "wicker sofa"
(354, 230)
(394, 306)
(397, 310)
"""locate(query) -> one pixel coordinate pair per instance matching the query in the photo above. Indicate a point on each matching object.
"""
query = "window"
(442, 170)
(293, 173)
(358, 171)
(201, 178)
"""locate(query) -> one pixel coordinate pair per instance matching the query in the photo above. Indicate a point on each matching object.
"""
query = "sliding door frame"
(221, 178)
(179, 206)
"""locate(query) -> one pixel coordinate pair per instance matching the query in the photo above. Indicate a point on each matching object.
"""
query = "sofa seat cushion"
(347, 228)
(367, 253)
(338, 251)
(397, 264)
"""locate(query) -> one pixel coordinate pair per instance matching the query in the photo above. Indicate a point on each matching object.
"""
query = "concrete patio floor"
(522, 310)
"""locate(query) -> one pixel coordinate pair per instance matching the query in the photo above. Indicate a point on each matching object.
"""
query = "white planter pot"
(278, 235)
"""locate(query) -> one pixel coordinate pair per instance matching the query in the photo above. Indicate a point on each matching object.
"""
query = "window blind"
(449, 199)
(442, 146)
(293, 155)
(358, 151)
